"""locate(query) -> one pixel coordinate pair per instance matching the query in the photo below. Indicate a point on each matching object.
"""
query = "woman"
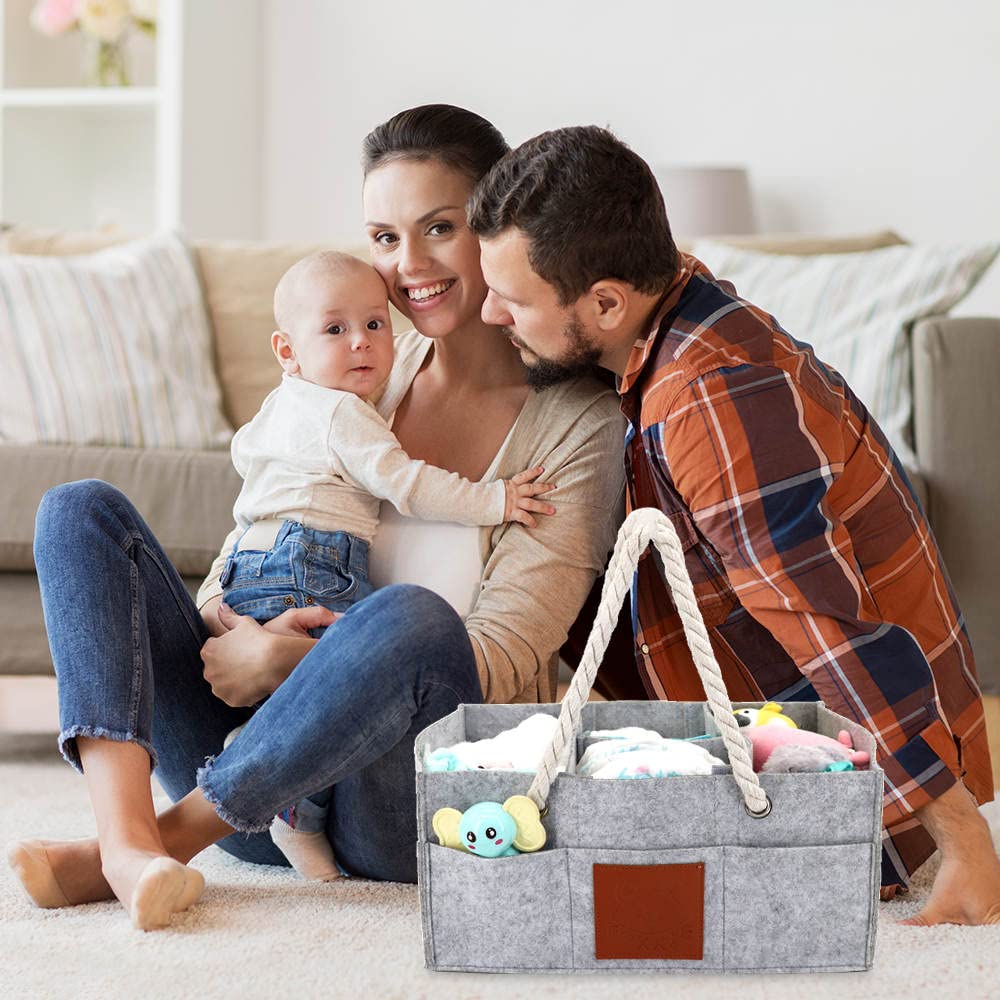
(143, 677)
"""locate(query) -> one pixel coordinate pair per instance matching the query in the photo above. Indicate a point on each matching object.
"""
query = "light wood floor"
(28, 704)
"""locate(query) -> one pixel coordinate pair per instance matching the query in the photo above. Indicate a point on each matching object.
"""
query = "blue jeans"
(303, 566)
(125, 637)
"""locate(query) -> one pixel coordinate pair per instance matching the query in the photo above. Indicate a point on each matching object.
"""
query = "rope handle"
(641, 527)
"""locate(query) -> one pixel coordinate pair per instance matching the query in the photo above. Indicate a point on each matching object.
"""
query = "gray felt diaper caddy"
(726, 872)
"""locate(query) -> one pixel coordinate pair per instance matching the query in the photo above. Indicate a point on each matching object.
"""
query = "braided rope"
(640, 528)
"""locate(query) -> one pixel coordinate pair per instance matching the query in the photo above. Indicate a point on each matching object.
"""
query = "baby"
(316, 462)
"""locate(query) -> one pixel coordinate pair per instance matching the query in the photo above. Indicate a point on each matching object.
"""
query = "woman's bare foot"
(165, 887)
(59, 872)
(152, 887)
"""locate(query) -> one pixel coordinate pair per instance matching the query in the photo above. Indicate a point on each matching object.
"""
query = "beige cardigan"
(534, 581)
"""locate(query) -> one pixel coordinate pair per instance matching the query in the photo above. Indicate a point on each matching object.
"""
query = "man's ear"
(283, 351)
(608, 300)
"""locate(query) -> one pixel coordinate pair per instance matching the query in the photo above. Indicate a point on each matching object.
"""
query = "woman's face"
(421, 244)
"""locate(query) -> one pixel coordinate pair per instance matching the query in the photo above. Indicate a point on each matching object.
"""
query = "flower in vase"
(104, 25)
(54, 17)
(105, 20)
(144, 10)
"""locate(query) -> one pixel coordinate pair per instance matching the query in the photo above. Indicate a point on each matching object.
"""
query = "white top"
(443, 557)
(325, 458)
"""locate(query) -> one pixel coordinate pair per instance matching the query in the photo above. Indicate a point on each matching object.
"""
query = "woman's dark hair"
(590, 207)
(457, 138)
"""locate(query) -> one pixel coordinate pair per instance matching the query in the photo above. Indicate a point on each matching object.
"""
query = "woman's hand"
(210, 615)
(248, 662)
(298, 621)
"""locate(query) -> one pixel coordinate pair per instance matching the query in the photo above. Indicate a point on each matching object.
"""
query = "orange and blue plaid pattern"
(813, 564)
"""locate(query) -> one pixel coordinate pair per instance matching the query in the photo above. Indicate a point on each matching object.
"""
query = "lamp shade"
(706, 201)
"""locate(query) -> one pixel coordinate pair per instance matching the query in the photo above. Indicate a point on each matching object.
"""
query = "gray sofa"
(187, 497)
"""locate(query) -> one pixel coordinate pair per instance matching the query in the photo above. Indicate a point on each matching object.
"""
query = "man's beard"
(581, 358)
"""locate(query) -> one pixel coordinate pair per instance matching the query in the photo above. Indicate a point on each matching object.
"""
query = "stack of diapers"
(642, 753)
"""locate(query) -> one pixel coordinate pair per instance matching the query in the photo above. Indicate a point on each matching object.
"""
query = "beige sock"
(310, 853)
(30, 862)
(165, 887)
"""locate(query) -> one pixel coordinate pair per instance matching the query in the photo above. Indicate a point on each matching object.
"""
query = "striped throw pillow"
(110, 348)
(856, 311)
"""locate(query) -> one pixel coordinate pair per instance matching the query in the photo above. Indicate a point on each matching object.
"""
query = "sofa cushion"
(186, 497)
(239, 281)
(805, 245)
(109, 348)
(25, 649)
(60, 242)
(857, 309)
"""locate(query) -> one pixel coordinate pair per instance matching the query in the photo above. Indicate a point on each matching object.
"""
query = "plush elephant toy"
(492, 830)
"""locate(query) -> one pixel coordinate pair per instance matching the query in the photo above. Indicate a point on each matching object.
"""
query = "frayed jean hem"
(68, 748)
(203, 777)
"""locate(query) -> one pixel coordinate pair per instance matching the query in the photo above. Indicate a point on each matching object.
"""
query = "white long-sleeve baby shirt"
(326, 458)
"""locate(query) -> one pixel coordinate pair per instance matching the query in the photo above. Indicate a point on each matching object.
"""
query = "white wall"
(224, 132)
(850, 114)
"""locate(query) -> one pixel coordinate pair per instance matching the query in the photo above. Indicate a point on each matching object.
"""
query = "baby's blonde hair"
(331, 262)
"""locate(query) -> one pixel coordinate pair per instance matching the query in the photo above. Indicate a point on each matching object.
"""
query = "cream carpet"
(260, 932)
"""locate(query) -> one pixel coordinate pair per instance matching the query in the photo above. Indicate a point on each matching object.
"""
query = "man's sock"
(310, 853)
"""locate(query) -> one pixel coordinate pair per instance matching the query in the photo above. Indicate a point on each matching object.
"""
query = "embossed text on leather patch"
(649, 911)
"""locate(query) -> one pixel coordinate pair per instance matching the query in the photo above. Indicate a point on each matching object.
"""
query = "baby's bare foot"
(59, 872)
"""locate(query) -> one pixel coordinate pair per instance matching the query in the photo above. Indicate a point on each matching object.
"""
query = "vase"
(105, 65)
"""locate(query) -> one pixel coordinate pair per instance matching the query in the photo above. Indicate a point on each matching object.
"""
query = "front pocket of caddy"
(499, 914)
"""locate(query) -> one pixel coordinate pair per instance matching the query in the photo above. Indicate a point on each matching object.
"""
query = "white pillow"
(110, 348)
(856, 310)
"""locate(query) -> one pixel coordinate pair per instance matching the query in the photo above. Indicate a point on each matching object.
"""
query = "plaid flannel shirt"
(813, 564)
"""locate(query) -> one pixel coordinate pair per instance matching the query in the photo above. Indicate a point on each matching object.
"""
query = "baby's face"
(341, 335)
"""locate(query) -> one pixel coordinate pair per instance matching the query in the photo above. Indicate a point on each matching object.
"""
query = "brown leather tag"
(649, 911)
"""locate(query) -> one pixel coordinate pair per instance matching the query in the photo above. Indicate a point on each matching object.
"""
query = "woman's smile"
(427, 296)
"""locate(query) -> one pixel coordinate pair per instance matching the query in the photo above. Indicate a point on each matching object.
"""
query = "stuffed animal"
(766, 739)
(790, 758)
(492, 830)
(770, 712)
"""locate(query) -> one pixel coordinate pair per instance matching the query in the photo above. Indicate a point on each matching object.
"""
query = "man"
(813, 565)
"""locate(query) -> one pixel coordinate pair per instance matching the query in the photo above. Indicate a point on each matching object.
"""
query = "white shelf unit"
(178, 148)
(75, 156)
(79, 97)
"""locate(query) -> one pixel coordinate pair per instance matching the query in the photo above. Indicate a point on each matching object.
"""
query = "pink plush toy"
(766, 738)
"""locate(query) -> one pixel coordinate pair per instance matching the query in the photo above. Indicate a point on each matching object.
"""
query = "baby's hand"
(520, 490)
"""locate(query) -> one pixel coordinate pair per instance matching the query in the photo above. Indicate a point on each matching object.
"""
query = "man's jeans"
(126, 636)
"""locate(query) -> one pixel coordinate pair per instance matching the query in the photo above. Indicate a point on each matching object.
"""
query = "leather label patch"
(649, 911)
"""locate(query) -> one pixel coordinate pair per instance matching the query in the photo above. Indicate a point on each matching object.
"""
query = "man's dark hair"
(590, 207)
(458, 138)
